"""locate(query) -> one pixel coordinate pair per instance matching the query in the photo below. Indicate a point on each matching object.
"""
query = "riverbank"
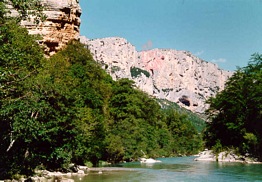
(226, 156)
(83, 172)
(48, 176)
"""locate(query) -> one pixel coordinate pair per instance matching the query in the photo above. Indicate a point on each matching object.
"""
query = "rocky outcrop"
(61, 25)
(48, 176)
(169, 74)
(226, 156)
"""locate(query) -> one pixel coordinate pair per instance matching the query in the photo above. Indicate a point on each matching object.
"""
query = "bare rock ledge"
(62, 23)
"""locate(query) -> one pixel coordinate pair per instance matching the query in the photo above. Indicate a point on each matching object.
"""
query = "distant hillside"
(197, 120)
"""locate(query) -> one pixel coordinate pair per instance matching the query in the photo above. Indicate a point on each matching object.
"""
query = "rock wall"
(61, 25)
(177, 76)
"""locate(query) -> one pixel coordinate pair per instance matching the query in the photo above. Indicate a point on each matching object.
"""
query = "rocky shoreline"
(48, 176)
(225, 156)
(81, 171)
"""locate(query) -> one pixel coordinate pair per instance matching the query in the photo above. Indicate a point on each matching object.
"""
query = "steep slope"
(177, 76)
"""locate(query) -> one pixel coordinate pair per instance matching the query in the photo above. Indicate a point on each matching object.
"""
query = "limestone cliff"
(177, 76)
(61, 25)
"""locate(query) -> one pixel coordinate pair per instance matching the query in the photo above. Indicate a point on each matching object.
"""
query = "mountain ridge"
(175, 75)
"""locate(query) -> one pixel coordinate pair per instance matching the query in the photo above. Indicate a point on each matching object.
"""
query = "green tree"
(52, 111)
(185, 138)
(135, 120)
(20, 58)
(76, 89)
(235, 113)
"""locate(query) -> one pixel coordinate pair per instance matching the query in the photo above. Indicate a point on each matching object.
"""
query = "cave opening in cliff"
(184, 100)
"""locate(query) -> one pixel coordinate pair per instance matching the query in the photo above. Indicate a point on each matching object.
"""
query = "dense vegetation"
(236, 113)
(198, 120)
(66, 109)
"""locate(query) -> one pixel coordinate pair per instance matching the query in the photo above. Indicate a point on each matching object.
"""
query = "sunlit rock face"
(170, 74)
(62, 23)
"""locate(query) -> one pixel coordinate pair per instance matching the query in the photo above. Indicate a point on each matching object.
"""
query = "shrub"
(136, 72)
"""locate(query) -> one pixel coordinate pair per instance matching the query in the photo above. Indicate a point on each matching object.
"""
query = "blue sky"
(226, 32)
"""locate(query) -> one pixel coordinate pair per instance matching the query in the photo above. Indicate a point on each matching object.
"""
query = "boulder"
(206, 155)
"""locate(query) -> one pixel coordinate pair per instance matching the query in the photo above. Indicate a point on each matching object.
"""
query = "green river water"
(181, 169)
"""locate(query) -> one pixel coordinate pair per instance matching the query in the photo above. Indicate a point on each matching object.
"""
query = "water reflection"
(180, 169)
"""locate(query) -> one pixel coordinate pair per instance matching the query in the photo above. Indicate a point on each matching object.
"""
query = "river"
(181, 169)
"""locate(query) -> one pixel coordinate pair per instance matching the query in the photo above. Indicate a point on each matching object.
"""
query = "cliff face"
(61, 25)
(177, 76)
